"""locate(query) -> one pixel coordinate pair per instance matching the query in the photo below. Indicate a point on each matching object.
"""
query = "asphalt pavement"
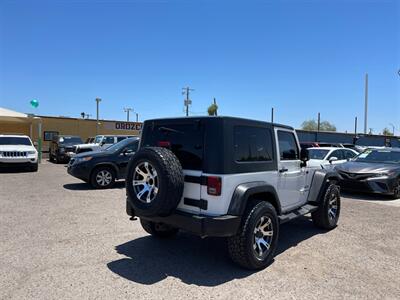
(61, 239)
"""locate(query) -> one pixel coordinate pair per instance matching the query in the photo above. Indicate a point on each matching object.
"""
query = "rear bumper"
(379, 186)
(204, 226)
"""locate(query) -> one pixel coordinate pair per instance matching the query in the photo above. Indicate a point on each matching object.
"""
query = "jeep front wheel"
(253, 247)
(327, 215)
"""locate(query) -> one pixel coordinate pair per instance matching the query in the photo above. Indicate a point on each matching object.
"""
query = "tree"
(313, 126)
(213, 109)
(387, 132)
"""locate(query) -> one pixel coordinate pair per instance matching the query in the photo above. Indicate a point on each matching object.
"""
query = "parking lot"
(60, 239)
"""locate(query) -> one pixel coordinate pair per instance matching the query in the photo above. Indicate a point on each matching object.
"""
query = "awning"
(13, 116)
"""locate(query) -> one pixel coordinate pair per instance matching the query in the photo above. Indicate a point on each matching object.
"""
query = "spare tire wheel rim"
(103, 178)
(145, 182)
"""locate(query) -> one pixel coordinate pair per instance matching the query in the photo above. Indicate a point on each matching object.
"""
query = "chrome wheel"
(145, 182)
(262, 238)
(104, 178)
(333, 206)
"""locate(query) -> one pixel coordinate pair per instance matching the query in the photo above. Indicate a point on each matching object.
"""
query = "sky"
(300, 57)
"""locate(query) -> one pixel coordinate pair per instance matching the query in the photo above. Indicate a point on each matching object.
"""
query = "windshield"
(15, 141)
(379, 156)
(98, 139)
(70, 140)
(121, 145)
(317, 153)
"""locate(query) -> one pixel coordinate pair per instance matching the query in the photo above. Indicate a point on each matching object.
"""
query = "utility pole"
(137, 117)
(187, 102)
(319, 122)
(366, 105)
(393, 127)
(98, 100)
(127, 110)
(216, 110)
(272, 115)
(355, 126)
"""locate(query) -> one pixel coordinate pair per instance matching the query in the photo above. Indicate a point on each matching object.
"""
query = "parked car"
(90, 140)
(100, 142)
(62, 146)
(18, 151)
(321, 157)
(374, 171)
(227, 177)
(102, 168)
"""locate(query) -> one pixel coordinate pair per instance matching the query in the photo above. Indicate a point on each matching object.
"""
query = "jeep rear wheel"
(154, 182)
(253, 247)
(327, 215)
(158, 229)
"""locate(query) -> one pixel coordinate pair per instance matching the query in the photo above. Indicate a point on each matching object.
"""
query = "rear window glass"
(185, 141)
(252, 144)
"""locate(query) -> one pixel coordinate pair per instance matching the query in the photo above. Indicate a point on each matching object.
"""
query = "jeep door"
(291, 184)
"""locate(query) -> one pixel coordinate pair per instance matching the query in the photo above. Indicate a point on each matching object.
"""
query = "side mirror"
(332, 159)
(304, 155)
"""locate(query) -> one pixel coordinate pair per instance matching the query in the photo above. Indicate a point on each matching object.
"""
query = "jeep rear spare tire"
(154, 182)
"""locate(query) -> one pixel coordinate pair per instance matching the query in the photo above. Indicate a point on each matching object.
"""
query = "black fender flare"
(320, 182)
(244, 191)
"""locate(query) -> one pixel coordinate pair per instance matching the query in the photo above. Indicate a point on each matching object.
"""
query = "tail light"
(165, 144)
(214, 185)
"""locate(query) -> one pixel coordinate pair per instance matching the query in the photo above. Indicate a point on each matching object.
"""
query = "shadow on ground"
(366, 196)
(202, 262)
(83, 186)
(13, 170)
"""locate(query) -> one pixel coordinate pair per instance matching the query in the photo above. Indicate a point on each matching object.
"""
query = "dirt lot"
(62, 240)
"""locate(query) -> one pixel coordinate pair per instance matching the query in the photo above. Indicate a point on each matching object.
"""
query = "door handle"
(283, 170)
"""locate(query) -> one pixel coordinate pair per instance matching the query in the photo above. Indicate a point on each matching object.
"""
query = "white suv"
(227, 177)
(18, 150)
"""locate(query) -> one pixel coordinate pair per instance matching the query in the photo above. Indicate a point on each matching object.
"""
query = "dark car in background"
(101, 168)
(62, 146)
(374, 171)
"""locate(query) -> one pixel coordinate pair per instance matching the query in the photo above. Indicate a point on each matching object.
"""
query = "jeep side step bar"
(301, 211)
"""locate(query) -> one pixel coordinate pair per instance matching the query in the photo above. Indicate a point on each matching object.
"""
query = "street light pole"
(98, 100)
(127, 110)
(366, 105)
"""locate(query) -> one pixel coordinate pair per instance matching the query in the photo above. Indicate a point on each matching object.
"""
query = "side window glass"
(109, 140)
(337, 153)
(252, 144)
(288, 149)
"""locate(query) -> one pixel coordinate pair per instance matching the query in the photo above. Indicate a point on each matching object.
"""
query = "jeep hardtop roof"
(215, 145)
(205, 118)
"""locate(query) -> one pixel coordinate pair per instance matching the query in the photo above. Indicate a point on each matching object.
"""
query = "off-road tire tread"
(171, 173)
(319, 216)
(237, 244)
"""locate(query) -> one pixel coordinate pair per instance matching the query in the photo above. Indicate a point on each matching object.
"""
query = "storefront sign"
(128, 126)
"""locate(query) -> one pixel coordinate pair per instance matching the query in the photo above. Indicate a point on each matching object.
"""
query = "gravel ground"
(60, 239)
